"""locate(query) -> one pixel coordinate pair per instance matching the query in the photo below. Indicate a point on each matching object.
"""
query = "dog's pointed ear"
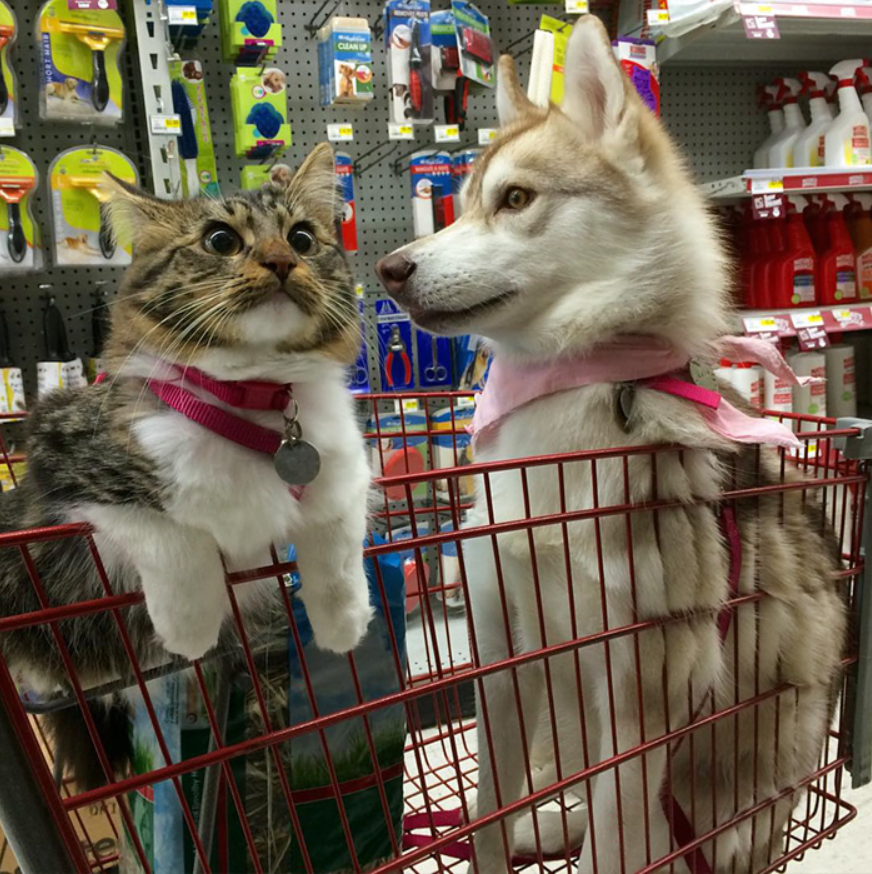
(512, 103)
(595, 87)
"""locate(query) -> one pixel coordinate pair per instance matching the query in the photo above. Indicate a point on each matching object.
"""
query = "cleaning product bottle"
(859, 221)
(766, 99)
(863, 83)
(847, 138)
(836, 268)
(781, 151)
(815, 219)
(808, 150)
(793, 273)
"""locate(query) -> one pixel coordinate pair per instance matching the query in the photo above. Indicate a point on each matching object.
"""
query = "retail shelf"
(785, 323)
(805, 180)
(809, 32)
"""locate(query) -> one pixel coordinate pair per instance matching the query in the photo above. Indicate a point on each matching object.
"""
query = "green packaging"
(250, 31)
(259, 99)
(189, 74)
(20, 249)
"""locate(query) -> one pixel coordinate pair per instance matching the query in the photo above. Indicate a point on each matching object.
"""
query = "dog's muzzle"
(394, 272)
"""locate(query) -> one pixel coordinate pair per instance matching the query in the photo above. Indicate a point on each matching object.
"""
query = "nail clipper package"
(250, 31)
(461, 167)
(80, 73)
(345, 62)
(638, 57)
(432, 192)
(345, 171)
(260, 113)
(408, 44)
(20, 245)
(474, 43)
(433, 355)
(394, 331)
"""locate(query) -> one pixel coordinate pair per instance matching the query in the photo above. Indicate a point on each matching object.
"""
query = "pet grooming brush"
(92, 184)
(57, 348)
(416, 65)
(13, 189)
(256, 18)
(188, 148)
(267, 119)
(97, 39)
(7, 32)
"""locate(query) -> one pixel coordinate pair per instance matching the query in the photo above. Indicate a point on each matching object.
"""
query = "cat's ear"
(314, 189)
(131, 209)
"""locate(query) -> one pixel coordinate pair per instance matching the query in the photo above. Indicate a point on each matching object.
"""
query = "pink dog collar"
(648, 361)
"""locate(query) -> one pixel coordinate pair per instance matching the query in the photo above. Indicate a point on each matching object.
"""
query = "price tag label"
(577, 7)
(486, 135)
(657, 16)
(466, 403)
(761, 325)
(410, 405)
(184, 15)
(761, 27)
(446, 133)
(851, 319)
(401, 131)
(807, 320)
(7, 127)
(767, 206)
(812, 338)
(76, 5)
(166, 124)
(766, 186)
(340, 133)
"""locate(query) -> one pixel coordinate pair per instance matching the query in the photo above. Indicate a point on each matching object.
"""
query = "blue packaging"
(394, 330)
(430, 173)
(434, 360)
(410, 75)
(345, 62)
(344, 167)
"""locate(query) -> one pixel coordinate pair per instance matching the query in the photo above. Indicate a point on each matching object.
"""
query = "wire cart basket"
(268, 755)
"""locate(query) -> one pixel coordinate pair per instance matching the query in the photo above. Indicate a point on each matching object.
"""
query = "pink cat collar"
(244, 394)
(648, 362)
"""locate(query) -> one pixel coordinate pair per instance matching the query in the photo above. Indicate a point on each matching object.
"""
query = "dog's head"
(579, 223)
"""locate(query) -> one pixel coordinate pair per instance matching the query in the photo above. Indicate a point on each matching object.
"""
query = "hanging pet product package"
(407, 43)
(345, 62)
(80, 75)
(260, 113)
(8, 79)
(82, 234)
(20, 247)
(284, 675)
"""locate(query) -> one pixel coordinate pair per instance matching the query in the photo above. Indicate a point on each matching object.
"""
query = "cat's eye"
(516, 198)
(302, 241)
(222, 240)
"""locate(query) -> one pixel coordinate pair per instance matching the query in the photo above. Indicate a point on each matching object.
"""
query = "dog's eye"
(222, 240)
(517, 198)
(302, 241)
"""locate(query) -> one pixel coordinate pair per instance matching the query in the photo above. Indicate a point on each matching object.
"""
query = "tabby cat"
(253, 287)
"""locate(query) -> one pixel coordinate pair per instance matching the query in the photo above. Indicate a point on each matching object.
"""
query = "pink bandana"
(650, 362)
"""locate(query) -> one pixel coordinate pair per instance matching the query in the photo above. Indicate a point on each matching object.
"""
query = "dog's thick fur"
(611, 238)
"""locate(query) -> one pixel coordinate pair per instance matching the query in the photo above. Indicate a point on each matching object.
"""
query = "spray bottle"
(808, 150)
(766, 99)
(859, 223)
(847, 138)
(863, 83)
(781, 151)
(837, 266)
(794, 270)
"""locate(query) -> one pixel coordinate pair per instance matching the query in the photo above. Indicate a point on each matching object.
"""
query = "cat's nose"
(281, 263)
(394, 272)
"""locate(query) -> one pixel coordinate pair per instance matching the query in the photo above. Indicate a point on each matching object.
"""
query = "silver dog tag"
(703, 375)
(297, 462)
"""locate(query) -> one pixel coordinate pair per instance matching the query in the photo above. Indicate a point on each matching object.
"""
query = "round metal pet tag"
(297, 462)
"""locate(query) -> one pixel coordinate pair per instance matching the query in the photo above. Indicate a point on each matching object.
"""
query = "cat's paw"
(191, 633)
(341, 626)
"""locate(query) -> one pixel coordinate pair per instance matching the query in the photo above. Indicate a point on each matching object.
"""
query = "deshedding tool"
(7, 32)
(93, 186)
(13, 189)
(97, 39)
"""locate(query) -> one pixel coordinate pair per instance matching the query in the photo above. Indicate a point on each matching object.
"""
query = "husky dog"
(580, 225)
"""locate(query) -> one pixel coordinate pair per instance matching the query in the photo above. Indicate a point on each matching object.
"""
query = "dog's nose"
(281, 263)
(394, 272)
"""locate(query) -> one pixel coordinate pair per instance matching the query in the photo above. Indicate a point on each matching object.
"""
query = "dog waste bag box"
(345, 62)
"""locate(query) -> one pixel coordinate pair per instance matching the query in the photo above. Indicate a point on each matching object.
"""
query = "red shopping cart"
(280, 772)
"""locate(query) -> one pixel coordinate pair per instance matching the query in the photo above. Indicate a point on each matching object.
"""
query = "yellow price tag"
(411, 405)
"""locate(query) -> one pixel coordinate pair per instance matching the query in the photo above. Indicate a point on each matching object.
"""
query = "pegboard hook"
(508, 49)
(312, 28)
(360, 169)
(378, 26)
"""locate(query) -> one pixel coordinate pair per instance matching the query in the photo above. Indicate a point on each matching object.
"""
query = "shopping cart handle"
(858, 446)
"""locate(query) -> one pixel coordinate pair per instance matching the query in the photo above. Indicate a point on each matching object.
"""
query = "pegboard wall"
(711, 112)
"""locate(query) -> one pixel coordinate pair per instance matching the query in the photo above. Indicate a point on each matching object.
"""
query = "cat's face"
(261, 269)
